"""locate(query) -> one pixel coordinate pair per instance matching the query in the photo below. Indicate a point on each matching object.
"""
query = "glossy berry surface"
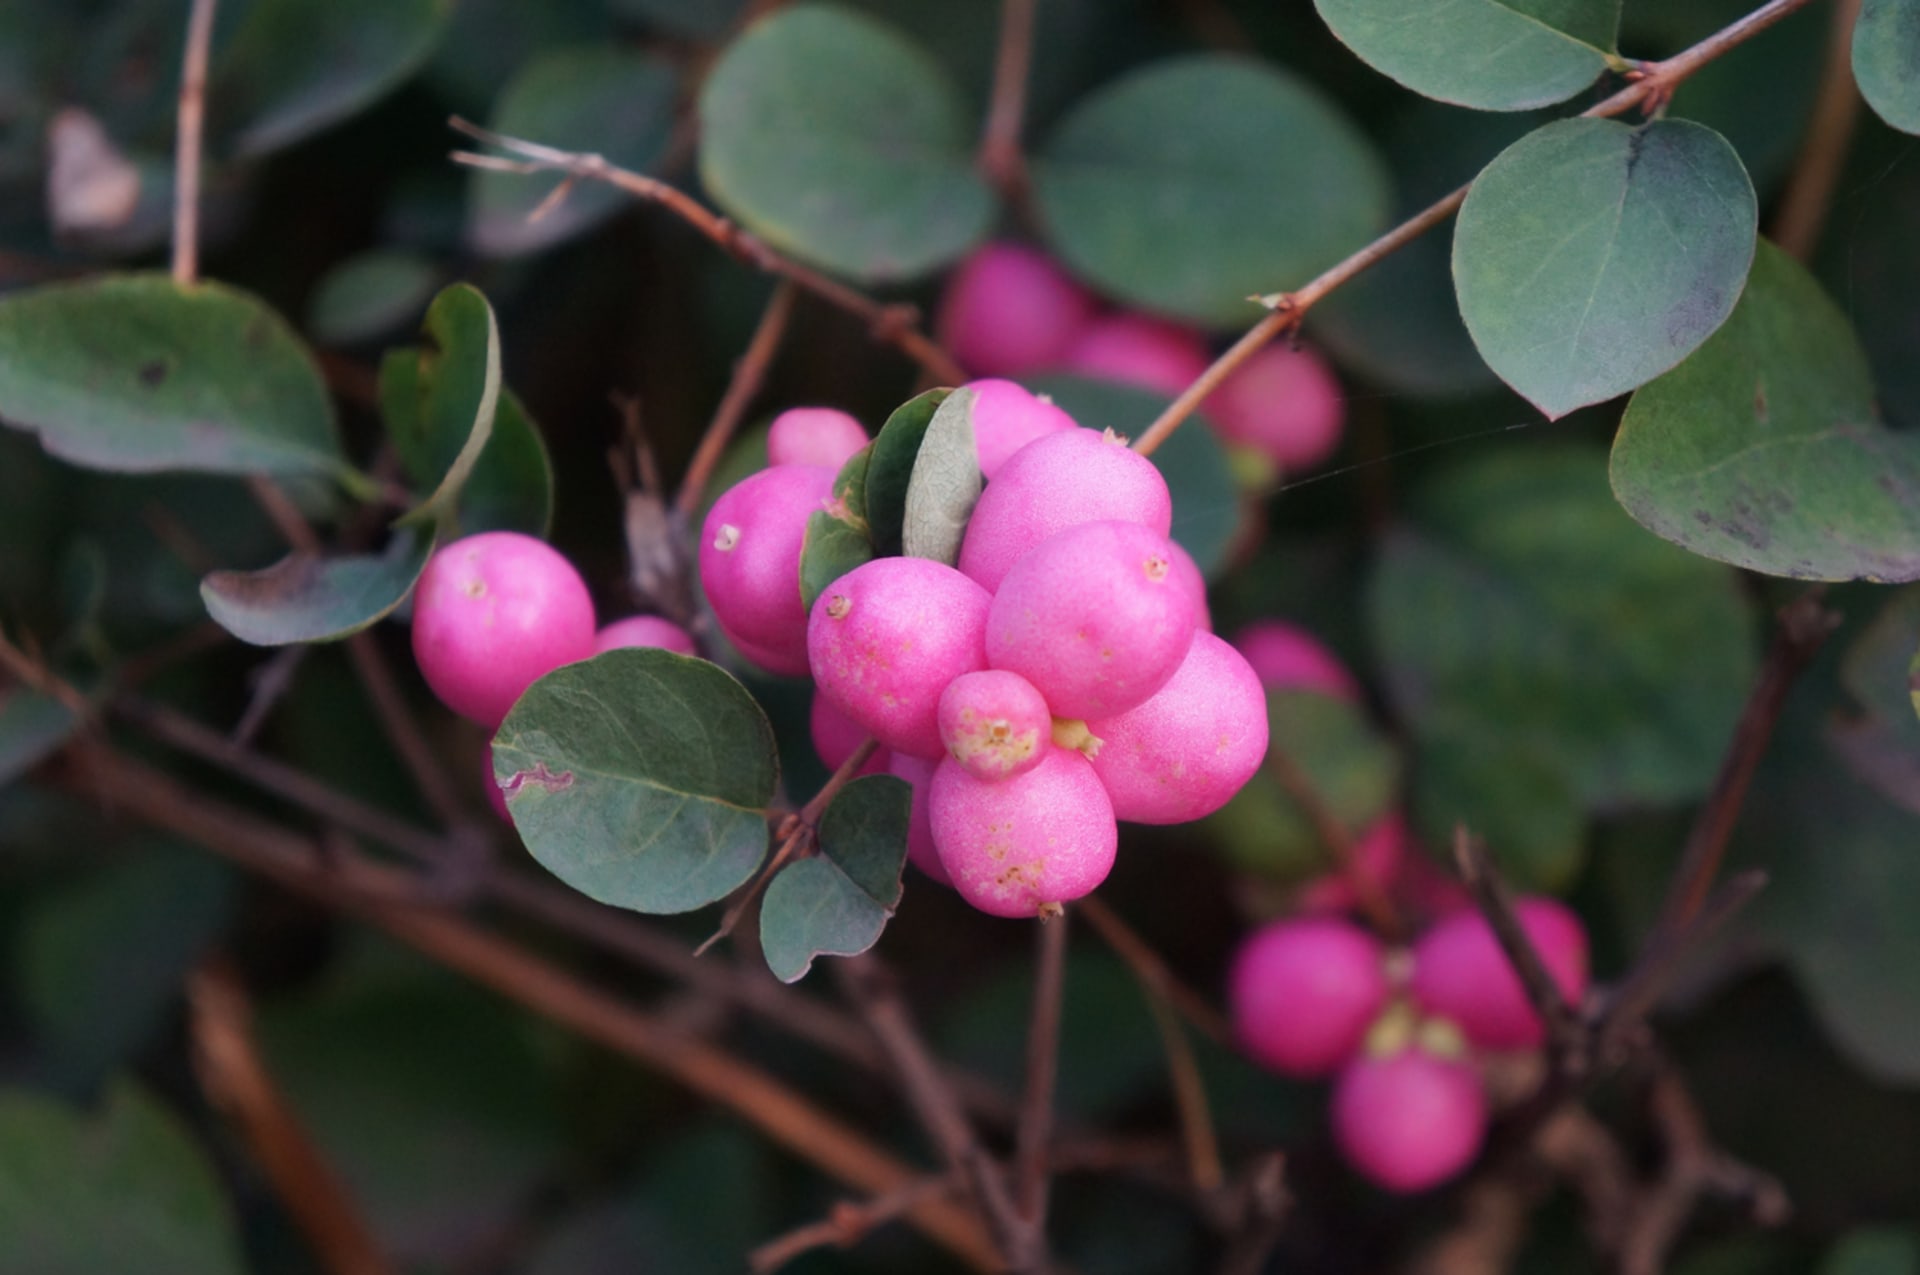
(1304, 991)
(645, 630)
(814, 436)
(1138, 349)
(994, 724)
(1006, 417)
(492, 613)
(1288, 658)
(1283, 403)
(1018, 846)
(1411, 1120)
(750, 562)
(1009, 310)
(1461, 973)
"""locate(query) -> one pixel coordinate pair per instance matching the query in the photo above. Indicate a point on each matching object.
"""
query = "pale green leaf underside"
(1886, 60)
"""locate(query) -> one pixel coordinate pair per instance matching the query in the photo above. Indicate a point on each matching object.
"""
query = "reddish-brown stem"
(1197, 1136)
(748, 376)
(1333, 835)
(1035, 1130)
(1000, 159)
(1152, 971)
(1802, 211)
(187, 143)
(846, 1225)
(1566, 1031)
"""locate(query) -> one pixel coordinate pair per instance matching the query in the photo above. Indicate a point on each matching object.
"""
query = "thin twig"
(1197, 1136)
(1567, 1035)
(1338, 843)
(1153, 972)
(999, 159)
(187, 144)
(748, 376)
(1655, 83)
(1035, 1130)
(846, 1225)
(1802, 211)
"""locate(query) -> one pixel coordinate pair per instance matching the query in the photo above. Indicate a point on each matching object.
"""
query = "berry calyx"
(994, 724)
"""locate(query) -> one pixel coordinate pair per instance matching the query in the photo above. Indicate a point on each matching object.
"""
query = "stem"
(1197, 1136)
(186, 158)
(846, 1225)
(748, 375)
(1153, 972)
(1804, 205)
(1035, 1130)
(1566, 1033)
(1333, 834)
(999, 158)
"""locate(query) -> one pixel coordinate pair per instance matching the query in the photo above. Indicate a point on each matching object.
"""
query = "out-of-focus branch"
(1808, 198)
(187, 143)
(748, 376)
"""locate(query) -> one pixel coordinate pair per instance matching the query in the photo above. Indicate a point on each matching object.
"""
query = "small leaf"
(946, 483)
(439, 401)
(890, 469)
(32, 725)
(640, 778)
(1492, 55)
(139, 374)
(511, 486)
(371, 294)
(121, 1189)
(603, 101)
(837, 902)
(1886, 60)
(1765, 449)
(1188, 184)
(1590, 256)
(834, 137)
(304, 598)
(296, 67)
(837, 539)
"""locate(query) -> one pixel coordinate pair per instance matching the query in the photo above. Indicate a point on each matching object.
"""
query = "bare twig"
(1567, 1035)
(748, 375)
(1000, 160)
(1636, 994)
(271, 681)
(1802, 211)
(1333, 835)
(187, 144)
(1035, 1130)
(1152, 971)
(846, 1225)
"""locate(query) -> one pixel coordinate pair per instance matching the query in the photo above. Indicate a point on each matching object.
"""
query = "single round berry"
(750, 562)
(1185, 752)
(994, 724)
(918, 771)
(1410, 1120)
(1288, 658)
(1025, 845)
(836, 736)
(1009, 310)
(814, 436)
(645, 630)
(1460, 972)
(887, 637)
(1378, 854)
(1055, 482)
(1138, 349)
(491, 614)
(1006, 417)
(1094, 618)
(1186, 574)
(1283, 403)
(1303, 993)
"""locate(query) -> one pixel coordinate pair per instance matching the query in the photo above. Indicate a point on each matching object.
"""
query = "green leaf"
(1883, 1250)
(122, 1189)
(946, 483)
(439, 401)
(834, 137)
(1186, 185)
(1519, 612)
(307, 598)
(1206, 501)
(1886, 60)
(1492, 55)
(371, 294)
(1881, 742)
(605, 101)
(1591, 256)
(890, 469)
(511, 486)
(837, 902)
(640, 778)
(1765, 449)
(296, 67)
(837, 538)
(32, 725)
(1352, 767)
(136, 373)
(1524, 806)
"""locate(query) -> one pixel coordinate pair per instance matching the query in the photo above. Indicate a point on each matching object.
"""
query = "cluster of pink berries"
(1401, 1031)
(1010, 311)
(1060, 677)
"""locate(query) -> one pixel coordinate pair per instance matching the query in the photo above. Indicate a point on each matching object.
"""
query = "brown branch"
(186, 159)
(1035, 1130)
(1153, 972)
(1567, 1035)
(748, 376)
(1802, 211)
(999, 159)
(897, 325)
(1338, 843)
(1655, 83)
(237, 1082)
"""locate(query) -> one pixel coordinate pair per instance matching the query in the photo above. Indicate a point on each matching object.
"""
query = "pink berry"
(1186, 573)
(1303, 993)
(1138, 349)
(1281, 402)
(1411, 1120)
(645, 630)
(918, 771)
(1185, 752)
(1377, 855)
(1094, 618)
(750, 562)
(1055, 482)
(1006, 417)
(1460, 972)
(887, 637)
(1010, 310)
(994, 724)
(491, 614)
(1288, 658)
(814, 436)
(1022, 846)
(836, 736)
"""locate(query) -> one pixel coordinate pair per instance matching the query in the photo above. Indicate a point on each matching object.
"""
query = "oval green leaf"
(640, 778)
(604, 101)
(836, 138)
(946, 483)
(1591, 256)
(837, 902)
(890, 468)
(139, 374)
(511, 486)
(372, 294)
(1492, 55)
(1190, 184)
(1886, 60)
(1765, 449)
(306, 598)
(439, 401)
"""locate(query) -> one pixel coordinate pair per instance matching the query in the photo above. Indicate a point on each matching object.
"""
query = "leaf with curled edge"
(946, 483)
(836, 903)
